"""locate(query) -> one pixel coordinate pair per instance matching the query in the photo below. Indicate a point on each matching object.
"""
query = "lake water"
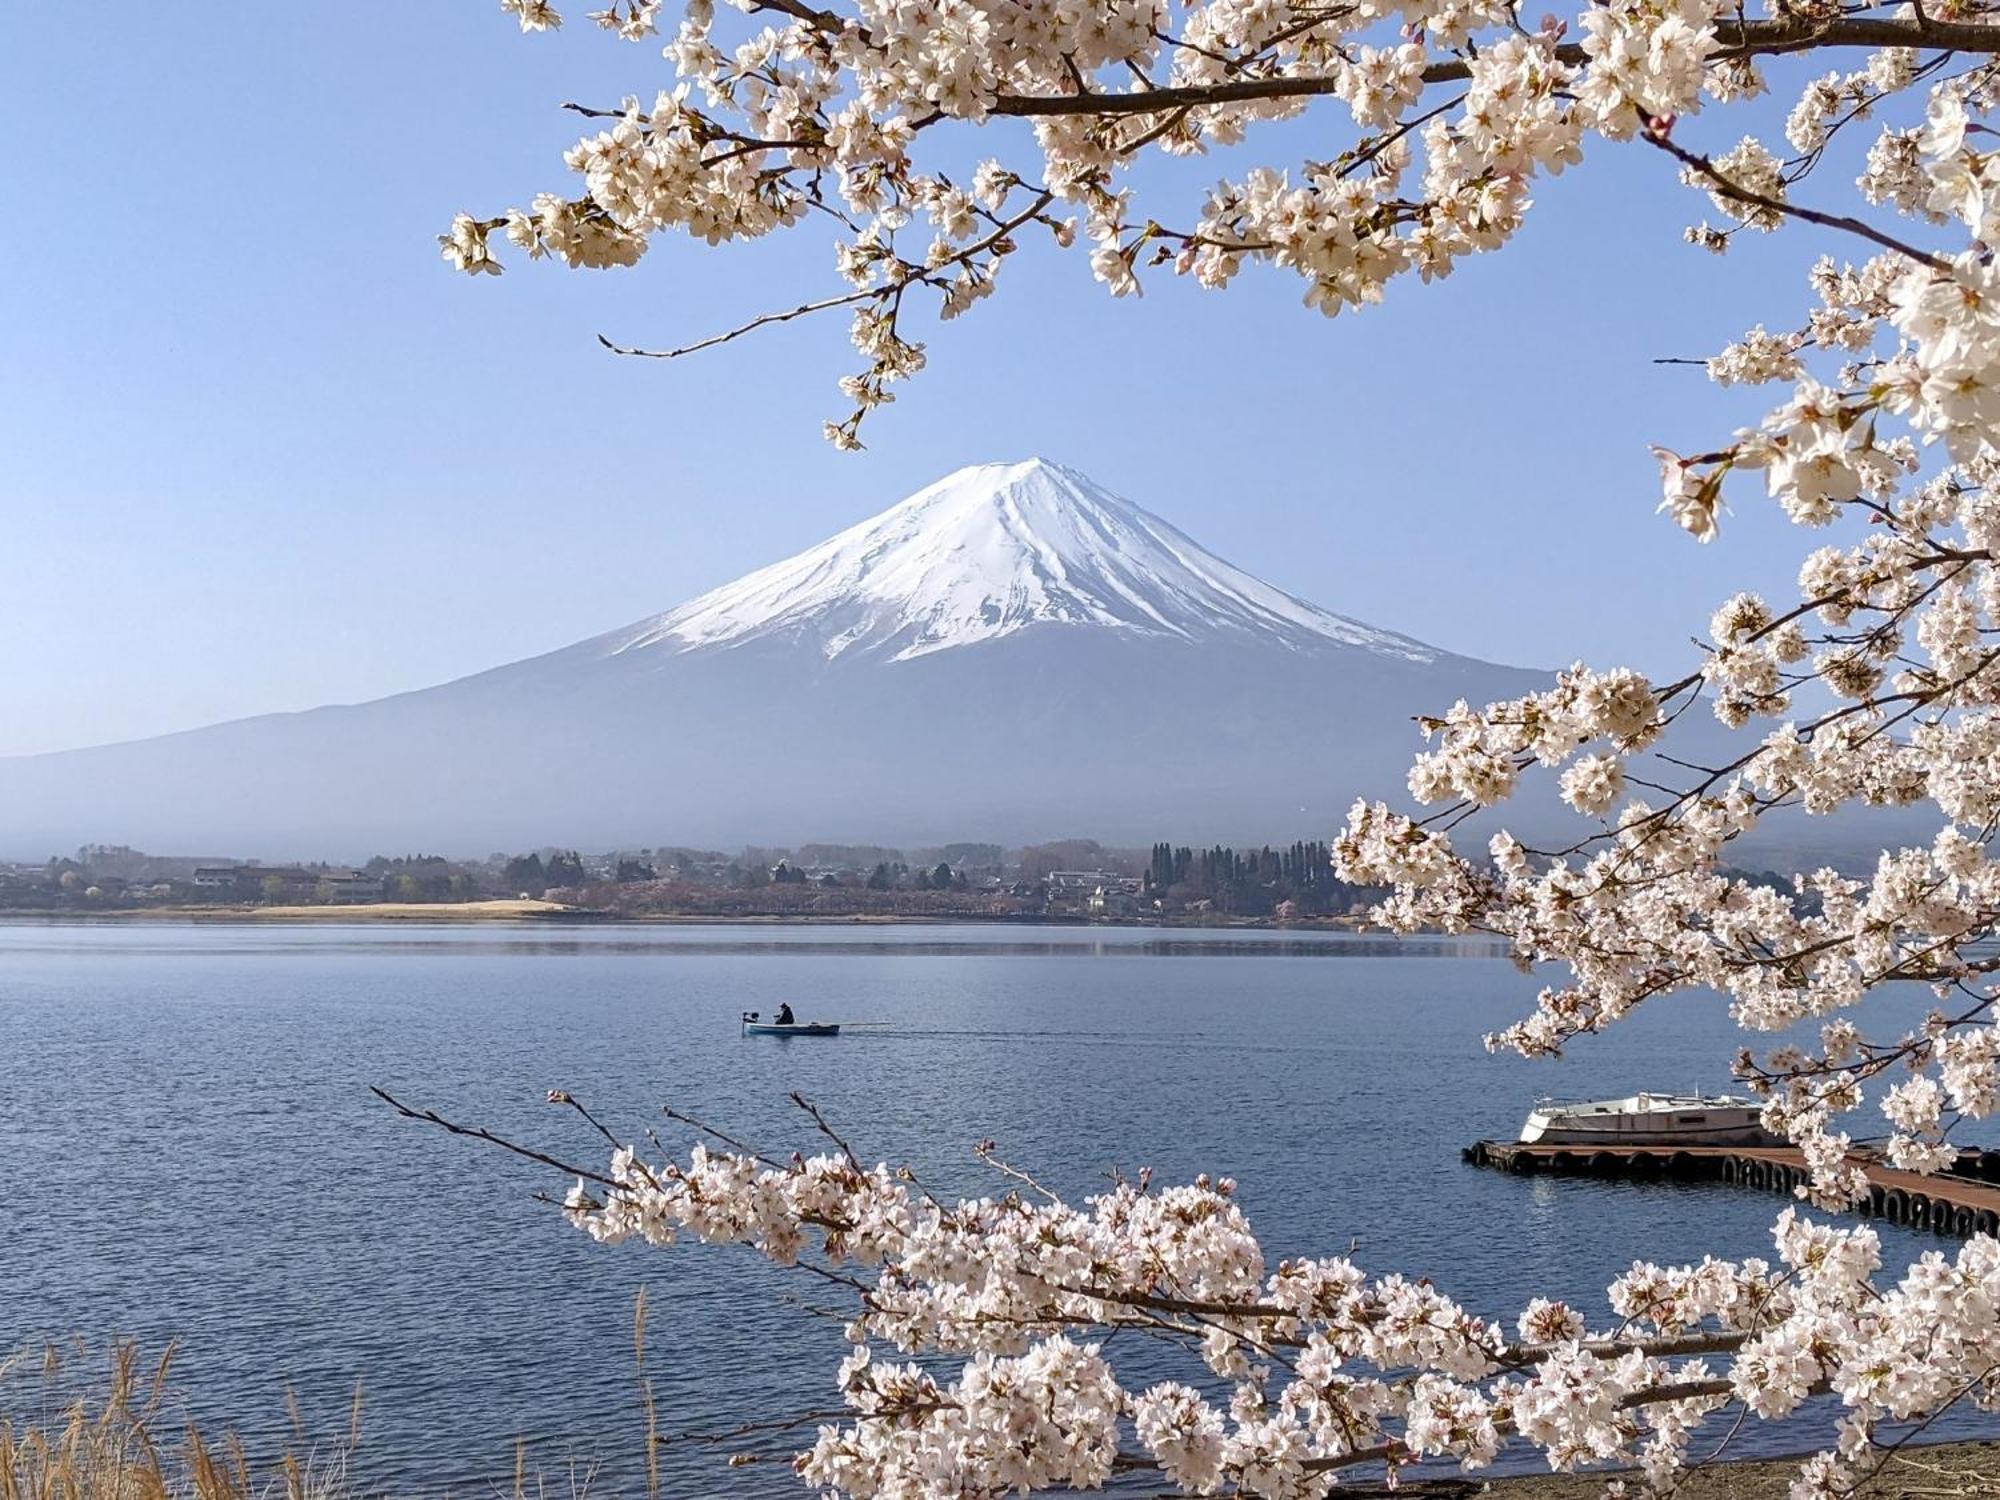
(188, 1148)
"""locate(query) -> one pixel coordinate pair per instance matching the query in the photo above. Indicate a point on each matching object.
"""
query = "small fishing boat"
(754, 1027)
(1647, 1119)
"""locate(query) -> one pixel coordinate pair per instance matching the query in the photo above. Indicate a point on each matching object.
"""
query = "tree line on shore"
(1079, 876)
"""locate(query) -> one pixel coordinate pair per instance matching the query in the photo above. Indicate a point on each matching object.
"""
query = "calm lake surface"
(189, 1151)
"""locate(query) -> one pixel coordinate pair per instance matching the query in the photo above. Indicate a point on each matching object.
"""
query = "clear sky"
(260, 449)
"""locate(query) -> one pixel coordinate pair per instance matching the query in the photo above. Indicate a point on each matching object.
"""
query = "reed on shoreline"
(80, 1425)
(104, 1434)
(106, 1428)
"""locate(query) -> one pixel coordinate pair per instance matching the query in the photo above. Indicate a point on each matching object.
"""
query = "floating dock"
(1962, 1202)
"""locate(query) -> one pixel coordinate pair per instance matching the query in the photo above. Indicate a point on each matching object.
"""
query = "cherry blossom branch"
(1737, 39)
(820, 1124)
(928, 276)
(763, 320)
(473, 1132)
(1660, 138)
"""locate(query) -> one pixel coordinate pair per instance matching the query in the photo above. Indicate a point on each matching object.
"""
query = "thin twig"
(1706, 168)
(562, 1096)
(819, 1123)
(728, 1140)
(478, 1133)
(763, 320)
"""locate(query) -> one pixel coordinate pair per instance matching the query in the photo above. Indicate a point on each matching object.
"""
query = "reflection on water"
(736, 942)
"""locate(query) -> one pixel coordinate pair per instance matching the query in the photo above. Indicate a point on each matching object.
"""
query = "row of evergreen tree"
(1250, 880)
(1305, 866)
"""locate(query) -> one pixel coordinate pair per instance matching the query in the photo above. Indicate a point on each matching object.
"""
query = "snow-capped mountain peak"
(990, 550)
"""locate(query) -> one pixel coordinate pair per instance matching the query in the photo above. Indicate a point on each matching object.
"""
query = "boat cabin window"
(1691, 1119)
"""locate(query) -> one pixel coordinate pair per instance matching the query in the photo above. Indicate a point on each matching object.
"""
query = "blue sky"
(260, 449)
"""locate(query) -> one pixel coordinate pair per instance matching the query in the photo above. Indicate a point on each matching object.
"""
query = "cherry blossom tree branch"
(475, 1132)
(1737, 39)
(1701, 165)
(926, 276)
(887, 1404)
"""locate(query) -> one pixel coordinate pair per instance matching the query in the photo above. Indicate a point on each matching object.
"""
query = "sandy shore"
(390, 911)
(1943, 1471)
(509, 909)
(505, 909)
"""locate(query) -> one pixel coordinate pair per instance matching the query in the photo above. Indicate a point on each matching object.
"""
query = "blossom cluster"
(1456, 109)
(1875, 692)
(979, 1358)
(1876, 689)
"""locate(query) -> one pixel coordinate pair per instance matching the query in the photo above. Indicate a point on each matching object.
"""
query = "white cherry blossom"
(1869, 415)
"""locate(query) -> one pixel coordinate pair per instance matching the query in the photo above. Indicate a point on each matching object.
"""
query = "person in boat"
(785, 1016)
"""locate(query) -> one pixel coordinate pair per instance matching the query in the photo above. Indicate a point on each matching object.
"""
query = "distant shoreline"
(556, 914)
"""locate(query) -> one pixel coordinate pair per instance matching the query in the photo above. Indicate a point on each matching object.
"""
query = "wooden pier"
(1962, 1202)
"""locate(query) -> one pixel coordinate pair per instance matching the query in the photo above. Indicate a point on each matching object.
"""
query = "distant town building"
(1097, 893)
(276, 882)
(287, 883)
(1071, 884)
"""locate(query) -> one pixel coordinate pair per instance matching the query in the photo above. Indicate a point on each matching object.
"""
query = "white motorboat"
(1647, 1119)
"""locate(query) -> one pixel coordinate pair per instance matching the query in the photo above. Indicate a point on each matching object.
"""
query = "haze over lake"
(189, 1151)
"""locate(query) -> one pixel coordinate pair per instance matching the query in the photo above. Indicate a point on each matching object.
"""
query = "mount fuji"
(1012, 653)
(989, 552)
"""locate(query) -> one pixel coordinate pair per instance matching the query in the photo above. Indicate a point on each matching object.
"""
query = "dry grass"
(81, 1426)
(120, 1441)
(646, 1397)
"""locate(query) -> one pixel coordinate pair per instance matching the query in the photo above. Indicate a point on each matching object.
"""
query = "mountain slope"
(991, 550)
(1011, 653)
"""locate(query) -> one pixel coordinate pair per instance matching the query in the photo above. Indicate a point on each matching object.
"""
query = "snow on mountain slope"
(991, 550)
